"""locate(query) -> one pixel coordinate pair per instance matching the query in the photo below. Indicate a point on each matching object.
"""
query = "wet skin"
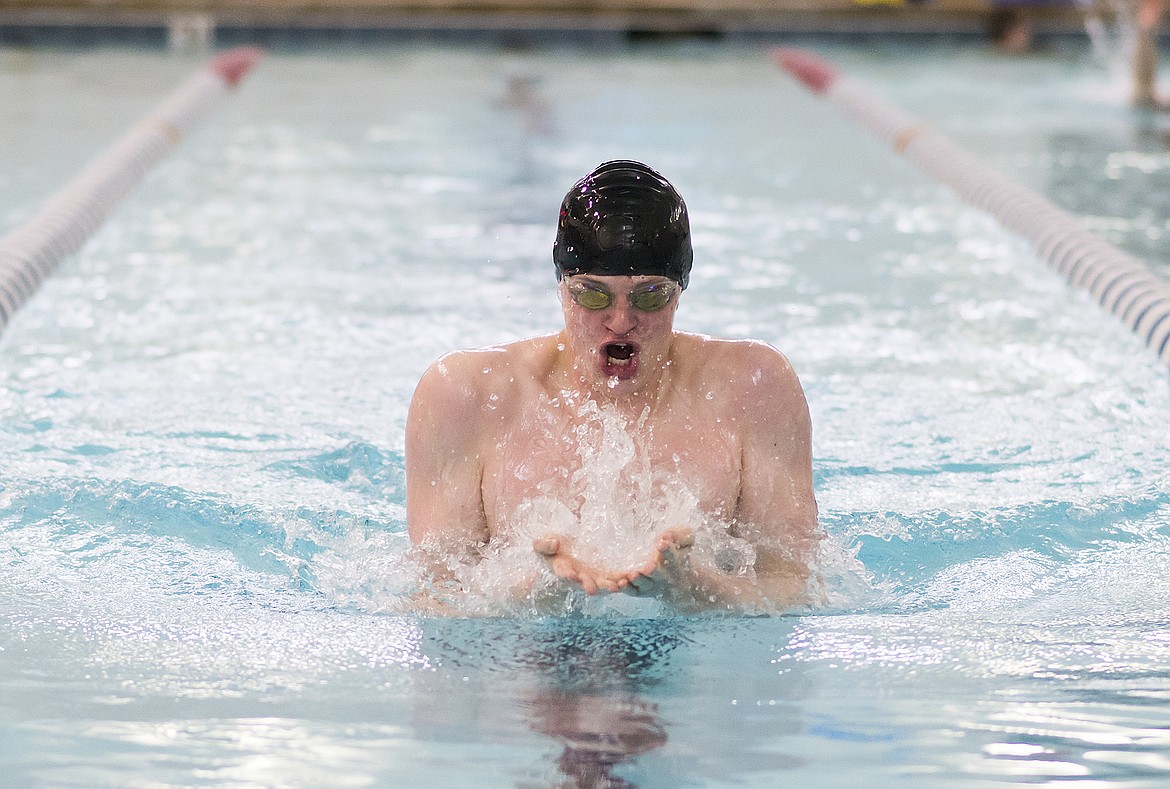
(491, 429)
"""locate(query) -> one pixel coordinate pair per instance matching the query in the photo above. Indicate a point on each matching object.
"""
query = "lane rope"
(32, 251)
(1120, 283)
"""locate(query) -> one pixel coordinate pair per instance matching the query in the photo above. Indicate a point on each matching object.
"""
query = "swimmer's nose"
(621, 319)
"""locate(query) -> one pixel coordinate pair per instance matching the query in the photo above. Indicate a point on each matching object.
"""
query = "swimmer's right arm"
(445, 513)
(444, 504)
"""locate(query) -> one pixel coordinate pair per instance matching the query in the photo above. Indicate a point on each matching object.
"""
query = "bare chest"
(575, 457)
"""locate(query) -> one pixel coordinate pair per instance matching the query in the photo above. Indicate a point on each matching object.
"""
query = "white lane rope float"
(32, 251)
(1120, 283)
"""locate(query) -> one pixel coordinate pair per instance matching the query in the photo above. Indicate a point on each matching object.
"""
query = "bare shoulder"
(468, 379)
(750, 383)
(744, 366)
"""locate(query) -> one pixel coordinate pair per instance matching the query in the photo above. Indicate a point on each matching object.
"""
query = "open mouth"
(619, 353)
(621, 359)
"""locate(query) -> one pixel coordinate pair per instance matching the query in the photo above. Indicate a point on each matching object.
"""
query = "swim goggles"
(645, 298)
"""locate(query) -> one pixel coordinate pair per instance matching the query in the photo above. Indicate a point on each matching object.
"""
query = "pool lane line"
(1120, 283)
(32, 251)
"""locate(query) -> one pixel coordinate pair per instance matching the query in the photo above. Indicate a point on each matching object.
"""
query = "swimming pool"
(202, 414)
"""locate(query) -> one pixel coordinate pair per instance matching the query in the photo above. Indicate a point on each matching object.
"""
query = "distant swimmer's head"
(624, 219)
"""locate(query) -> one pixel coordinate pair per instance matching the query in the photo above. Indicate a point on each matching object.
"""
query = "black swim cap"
(624, 219)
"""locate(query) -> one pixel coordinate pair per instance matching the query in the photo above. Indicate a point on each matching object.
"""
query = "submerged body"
(722, 424)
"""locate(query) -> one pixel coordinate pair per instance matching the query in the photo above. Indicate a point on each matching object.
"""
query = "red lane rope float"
(32, 251)
(1120, 283)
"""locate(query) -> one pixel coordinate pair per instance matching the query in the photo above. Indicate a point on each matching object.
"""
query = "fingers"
(568, 567)
(676, 538)
(564, 567)
(596, 582)
(547, 546)
(593, 583)
(666, 564)
(646, 585)
(665, 567)
(645, 580)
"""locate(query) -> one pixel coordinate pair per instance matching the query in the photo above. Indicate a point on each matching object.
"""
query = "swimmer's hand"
(557, 549)
(668, 569)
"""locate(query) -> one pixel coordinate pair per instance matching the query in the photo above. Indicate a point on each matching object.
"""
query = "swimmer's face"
(619, 328)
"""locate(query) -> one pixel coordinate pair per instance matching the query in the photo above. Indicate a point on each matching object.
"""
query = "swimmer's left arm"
(444, 504)
(777, 510)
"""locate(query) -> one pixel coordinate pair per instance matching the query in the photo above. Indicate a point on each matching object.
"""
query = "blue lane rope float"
(32, 251)
(1120, 283)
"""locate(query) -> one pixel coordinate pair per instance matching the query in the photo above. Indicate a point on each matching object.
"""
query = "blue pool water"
(201, 417)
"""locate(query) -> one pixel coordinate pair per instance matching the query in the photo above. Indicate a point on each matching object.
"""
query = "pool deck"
(706, 17)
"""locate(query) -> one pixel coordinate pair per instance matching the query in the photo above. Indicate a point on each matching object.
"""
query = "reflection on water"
(1120, 739)
(615, 702)
(581, 684)
(599, 732)
(268, 752)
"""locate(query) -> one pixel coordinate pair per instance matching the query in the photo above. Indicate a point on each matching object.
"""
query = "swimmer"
(491, 429)
(1147, 16)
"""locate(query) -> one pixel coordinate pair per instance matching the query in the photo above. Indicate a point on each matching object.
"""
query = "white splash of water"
(617, 505)
(610, 506)
(1112, 36)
